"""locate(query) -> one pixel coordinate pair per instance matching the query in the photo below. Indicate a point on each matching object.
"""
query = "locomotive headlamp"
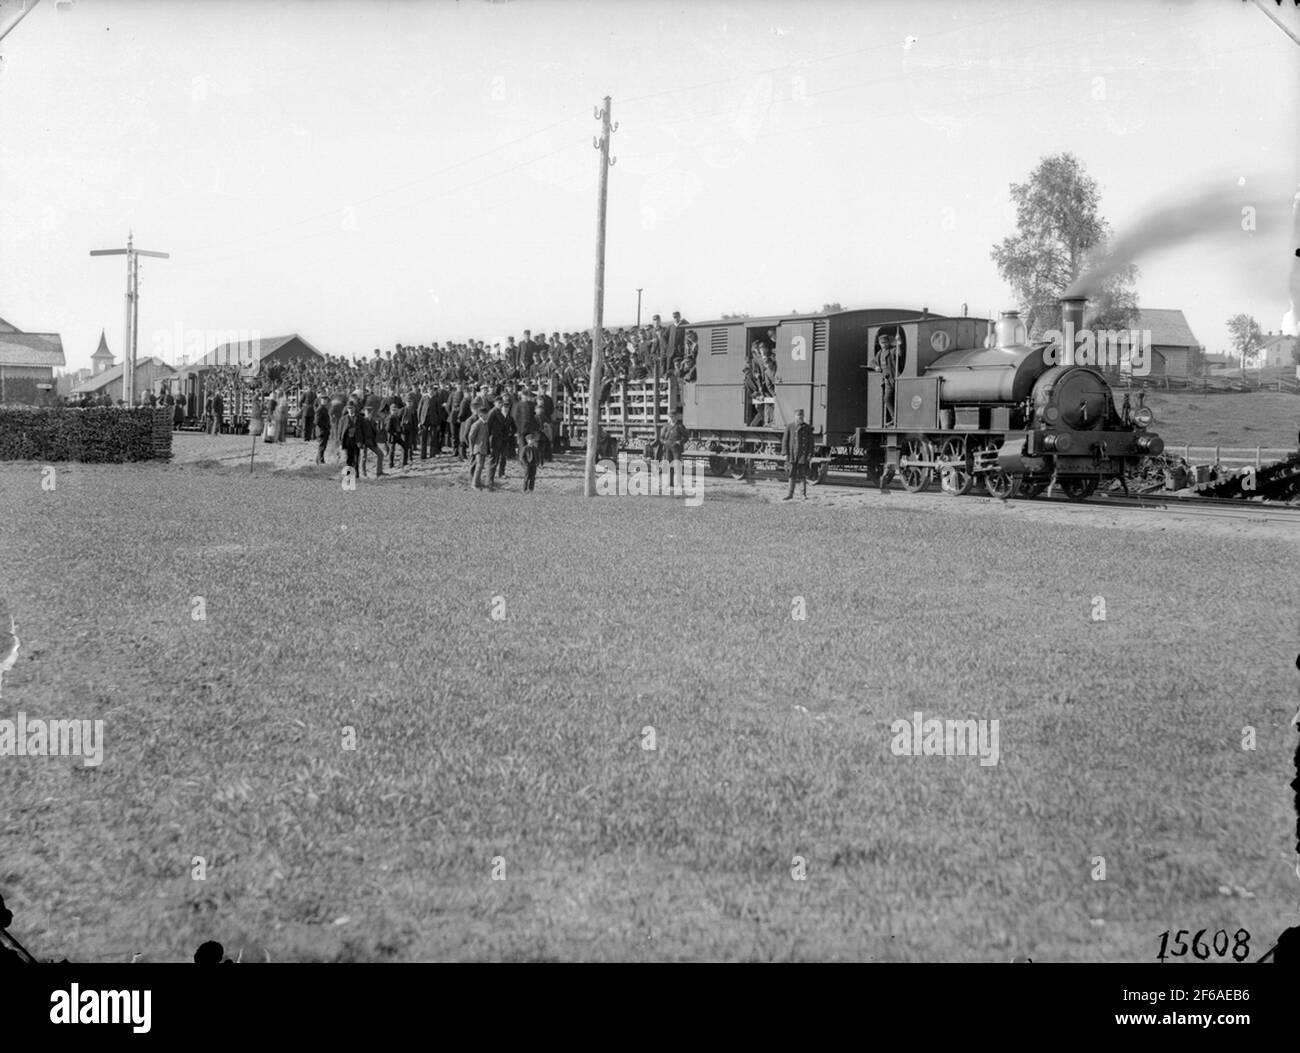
(1143, 417)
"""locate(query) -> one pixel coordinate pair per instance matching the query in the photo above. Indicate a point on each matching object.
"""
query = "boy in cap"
(531, 457)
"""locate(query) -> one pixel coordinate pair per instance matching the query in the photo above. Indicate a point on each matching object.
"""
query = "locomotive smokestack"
(1072, 312)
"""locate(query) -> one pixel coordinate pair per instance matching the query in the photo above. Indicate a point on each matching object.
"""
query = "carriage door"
(794, 372)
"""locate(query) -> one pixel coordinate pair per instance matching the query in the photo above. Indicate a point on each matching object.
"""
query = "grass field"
(1258, 418)
(517, 744)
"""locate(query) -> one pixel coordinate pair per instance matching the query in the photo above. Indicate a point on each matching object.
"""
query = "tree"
(828, 307)
(1247, 337)
(1059, 234)
(1295, 352)
(733, 317)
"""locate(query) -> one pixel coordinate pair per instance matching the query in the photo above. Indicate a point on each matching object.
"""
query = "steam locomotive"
(892, 391)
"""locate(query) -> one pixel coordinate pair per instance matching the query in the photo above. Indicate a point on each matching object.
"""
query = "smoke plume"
(1214, 214)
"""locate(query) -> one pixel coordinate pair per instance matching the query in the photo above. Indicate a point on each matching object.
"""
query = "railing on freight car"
(632, 412)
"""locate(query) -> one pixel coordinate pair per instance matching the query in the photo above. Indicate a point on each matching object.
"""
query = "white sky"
(365, 173)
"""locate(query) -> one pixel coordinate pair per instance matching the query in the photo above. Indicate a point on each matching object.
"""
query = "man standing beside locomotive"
(886, 362)
(796, 447)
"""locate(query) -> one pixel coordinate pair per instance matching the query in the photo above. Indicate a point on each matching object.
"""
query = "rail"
(1256, 455)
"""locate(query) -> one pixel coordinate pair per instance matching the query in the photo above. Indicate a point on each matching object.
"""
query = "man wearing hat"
(524, 414)
(427, 422)
(479, 441)
(322, 414)
(498, 429)
(410, 425)
(672, 441)
(349, 438)
(368, 436)
(796, 448)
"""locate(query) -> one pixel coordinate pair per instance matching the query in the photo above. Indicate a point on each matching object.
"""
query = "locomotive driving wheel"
(915, 480)
(1001, 484)
(954, 477)
(1079, 489)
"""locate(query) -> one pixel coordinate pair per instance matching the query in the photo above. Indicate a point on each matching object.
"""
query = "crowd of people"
(533, 361)
(486, 404)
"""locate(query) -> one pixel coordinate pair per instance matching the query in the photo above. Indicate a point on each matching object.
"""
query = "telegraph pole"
(132, 255)
(597, 325)
(638, 309)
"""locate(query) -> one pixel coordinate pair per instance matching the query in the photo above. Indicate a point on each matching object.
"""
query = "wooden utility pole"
(132, 255)
(597, 325)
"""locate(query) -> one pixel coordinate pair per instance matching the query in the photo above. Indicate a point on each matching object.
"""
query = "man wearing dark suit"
(439, 415)
(672, 443)
(426, 421)
(307, 407)
(349, 436)
(524, 415)
(322, 429)
(498, 433)
(796, 448)
(218, 409)
(410, 426)
(368, 437)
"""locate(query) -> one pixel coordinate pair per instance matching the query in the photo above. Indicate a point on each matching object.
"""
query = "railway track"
(1213, 507)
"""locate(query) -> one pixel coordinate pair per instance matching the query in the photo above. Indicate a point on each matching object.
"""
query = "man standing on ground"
(672, 442)
(322, 428)
(480, 446)
(796, 448)
(308, 410)
(498, 430)
(427, 421)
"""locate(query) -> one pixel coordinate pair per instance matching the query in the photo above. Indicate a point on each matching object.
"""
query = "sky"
(372, 173)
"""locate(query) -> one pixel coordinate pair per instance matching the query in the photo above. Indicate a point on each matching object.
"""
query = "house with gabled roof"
(262, 351)
(27, 364)
(1172, 341)
(149, 375)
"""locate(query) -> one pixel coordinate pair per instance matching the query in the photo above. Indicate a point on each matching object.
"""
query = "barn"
(1172, 341)
(263, 352)
(27, 365)
(252, 356)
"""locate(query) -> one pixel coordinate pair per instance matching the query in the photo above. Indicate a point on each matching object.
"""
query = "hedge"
(97, 435)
